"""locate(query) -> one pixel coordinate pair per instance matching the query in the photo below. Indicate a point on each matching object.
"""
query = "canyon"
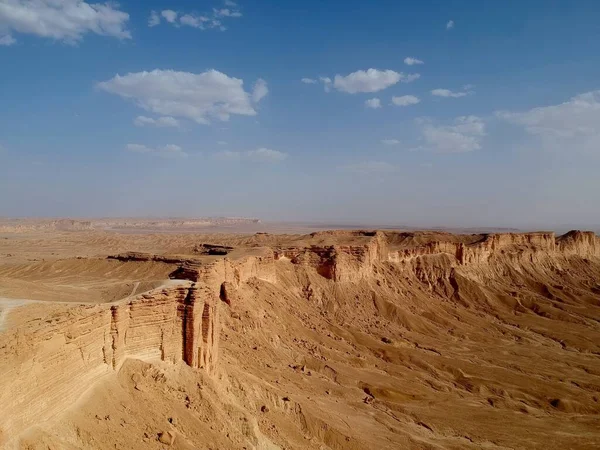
(333, 339)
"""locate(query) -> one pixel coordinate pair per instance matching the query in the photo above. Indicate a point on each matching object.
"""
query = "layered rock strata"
(51, 353)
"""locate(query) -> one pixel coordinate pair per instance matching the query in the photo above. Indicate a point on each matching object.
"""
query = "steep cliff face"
(50, 359)
(582, 243)
(387, 332)
(435, 259)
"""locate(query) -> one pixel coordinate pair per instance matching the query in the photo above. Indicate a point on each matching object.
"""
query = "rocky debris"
(167, 259)
(227, 293)
(166, 437)
(212, 249)
(188, 270)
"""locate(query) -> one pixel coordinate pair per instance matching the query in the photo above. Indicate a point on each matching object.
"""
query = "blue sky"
(426, 113)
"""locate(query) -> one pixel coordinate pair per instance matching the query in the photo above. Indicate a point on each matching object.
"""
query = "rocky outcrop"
(435, 259)
(339, 262)
(234, 271)
(582, 243)
(58, 351)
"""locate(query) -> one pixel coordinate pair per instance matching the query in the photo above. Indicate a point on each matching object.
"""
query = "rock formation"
(52, 353)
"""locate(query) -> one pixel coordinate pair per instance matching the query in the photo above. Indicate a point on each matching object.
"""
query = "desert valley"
(283, 225)
(156, 336)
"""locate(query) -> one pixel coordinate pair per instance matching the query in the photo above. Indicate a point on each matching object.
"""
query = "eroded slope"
(340, 340)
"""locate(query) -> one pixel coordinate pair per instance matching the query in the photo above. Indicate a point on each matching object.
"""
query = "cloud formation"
(64, 20)
(405, 100)
(373, 103)
(464, 135)
(7, 40)
(154, 19)
(449, 24)
(168, 151)
(412, 61)
(390, 141)
(266, 155)
(161, 122)
(573, 124)
(260, 90)
(447, 93)
(309, 81)
(198, 97)
(371, 80)
(206, 21)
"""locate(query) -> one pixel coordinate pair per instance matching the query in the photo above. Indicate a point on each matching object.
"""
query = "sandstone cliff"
(382, 331)
(51, 353)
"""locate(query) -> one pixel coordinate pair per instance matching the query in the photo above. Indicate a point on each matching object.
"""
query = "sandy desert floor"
(328, 340)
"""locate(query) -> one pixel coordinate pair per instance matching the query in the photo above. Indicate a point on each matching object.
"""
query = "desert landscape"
(316, 225)
(152, 334)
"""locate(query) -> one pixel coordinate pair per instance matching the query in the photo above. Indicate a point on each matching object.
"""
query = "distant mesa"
(22, 225)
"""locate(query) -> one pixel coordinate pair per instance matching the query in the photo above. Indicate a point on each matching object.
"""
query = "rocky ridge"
(51, 357)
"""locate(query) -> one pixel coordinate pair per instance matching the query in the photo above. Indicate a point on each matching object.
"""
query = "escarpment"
(405, 319)
(50, 359)
(434, 259)
(51, 353)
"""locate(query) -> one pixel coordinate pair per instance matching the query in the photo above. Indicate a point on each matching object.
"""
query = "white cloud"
(308, 80)
(373, 103)
(390, 141)
(64, 20)
(572, 125)
(405, 100)
(371, 80)
(154, 19)
(161, 122)
(450, 25)
(369, 167)
(260, 90)
(225, 12)
(221, 142)
(409, 78)
(326, 83)
(198, 97)
(412, 61)
(206, 21)
(194, 21)
(169, 15)
(447, 93)
(258, 155)
(464, 135)
(168, 151)
(7, 40)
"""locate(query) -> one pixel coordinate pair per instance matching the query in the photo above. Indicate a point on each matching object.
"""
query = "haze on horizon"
(412, 113)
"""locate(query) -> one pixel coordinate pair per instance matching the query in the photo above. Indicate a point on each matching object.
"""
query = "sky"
(422, 113)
